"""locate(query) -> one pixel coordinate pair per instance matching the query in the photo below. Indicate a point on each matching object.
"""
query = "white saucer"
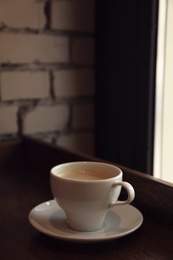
(50, 219)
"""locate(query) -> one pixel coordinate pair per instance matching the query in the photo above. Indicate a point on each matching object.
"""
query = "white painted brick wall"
(83, 116)
(83, 142)
(25, 48)
(24, 85)
(45, 119)
(77, 15)
(83, 50)
(22, 13)
(8, 119)
(74, 82)
(47, 77)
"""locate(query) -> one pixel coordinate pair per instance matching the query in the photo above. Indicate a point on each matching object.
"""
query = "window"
(163, 140)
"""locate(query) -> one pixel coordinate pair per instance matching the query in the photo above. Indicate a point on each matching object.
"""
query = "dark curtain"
(126, 37)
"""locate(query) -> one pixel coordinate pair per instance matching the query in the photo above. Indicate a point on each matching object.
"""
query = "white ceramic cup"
(86, 191)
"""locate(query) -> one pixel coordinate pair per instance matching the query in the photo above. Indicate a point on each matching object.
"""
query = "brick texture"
(47, 74)
(33, 48)
(22, 13)
(24, 85)
(45, 119)
(77, 15)
(8, 119)
(74, 83)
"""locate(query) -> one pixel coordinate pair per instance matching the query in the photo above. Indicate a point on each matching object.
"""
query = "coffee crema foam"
(86, 175)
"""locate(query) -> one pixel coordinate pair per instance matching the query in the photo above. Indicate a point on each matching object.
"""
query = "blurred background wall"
(47, 73)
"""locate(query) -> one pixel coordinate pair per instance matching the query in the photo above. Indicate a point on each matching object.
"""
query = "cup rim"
(109, 165)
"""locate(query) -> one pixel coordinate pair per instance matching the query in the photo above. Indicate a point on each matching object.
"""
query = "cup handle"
(130, 191)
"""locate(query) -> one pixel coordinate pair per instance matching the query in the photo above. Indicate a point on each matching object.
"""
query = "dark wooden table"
(24, 183)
